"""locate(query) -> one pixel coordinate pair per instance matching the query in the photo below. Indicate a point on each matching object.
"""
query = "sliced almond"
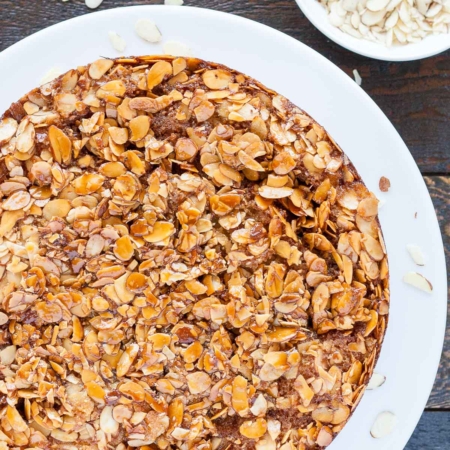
(147, 30)
(275, 193)
(253, 429)
(161, 231)
(376, 380)
(418, 281)
(217, 79)
(57, 208)
(98, 68)
(416, 254)
(17, 200)
(176, 48)
(49, 76)
(117, 41)
(157, 72)
(384, 425)
(93, 4)
(61, 145)
(107, 423)
(8, 128)
(139, 127)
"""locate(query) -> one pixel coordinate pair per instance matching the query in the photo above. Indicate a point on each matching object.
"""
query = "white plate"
(432, 45)
(413, 343)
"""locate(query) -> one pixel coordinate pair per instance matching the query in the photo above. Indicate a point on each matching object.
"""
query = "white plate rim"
(250, 59)
(430, 46)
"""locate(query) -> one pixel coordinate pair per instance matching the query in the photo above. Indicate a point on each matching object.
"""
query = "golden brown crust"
(187, 260)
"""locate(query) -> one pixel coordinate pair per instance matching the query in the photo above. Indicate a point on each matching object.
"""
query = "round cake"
(188, 260)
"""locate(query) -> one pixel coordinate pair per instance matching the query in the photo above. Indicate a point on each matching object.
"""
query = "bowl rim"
(430, 46)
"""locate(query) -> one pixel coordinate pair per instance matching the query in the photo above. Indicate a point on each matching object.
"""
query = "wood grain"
(432, 432)
(414, 95)
(439, 188)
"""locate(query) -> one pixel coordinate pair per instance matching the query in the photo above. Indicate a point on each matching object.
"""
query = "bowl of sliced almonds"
(390, 30)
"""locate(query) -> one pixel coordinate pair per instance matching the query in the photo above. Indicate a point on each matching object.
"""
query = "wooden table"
(414, 95)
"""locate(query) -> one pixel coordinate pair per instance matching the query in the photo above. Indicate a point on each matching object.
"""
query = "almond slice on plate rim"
(53, 73)
(383, 425)
(147, 30)
(376, 380)
(117, 41)
(416, 254)
(176, 48)
(418, 281)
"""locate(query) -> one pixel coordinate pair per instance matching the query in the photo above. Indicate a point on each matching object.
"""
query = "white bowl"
(431, 45)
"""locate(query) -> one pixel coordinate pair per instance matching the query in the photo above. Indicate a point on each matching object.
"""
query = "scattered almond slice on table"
(358, 79)
(418, 281)
(384, 425)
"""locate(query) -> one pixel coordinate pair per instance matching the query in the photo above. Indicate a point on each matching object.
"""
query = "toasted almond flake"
(253, 429)
(147, 30)
(325, 437)
(17, 200)
(107, 423)
(384, 425)
(416, 254)
(270, 192)
(3, 318)
(161, 231)
(53, 73)
(98, 68)
(376, 380)
(8, 127)
(418, 281)
(117, 41)
(176, 48)
(198, 382)
(157, 73)
(56, 208)
(217, 79)
(357, 76)
(8, 354)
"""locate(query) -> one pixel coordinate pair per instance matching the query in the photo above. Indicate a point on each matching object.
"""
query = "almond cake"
(188, 261)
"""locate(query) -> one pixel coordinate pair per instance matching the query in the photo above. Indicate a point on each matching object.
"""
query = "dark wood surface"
(415, 96)
(439, 187)
(432, 432)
